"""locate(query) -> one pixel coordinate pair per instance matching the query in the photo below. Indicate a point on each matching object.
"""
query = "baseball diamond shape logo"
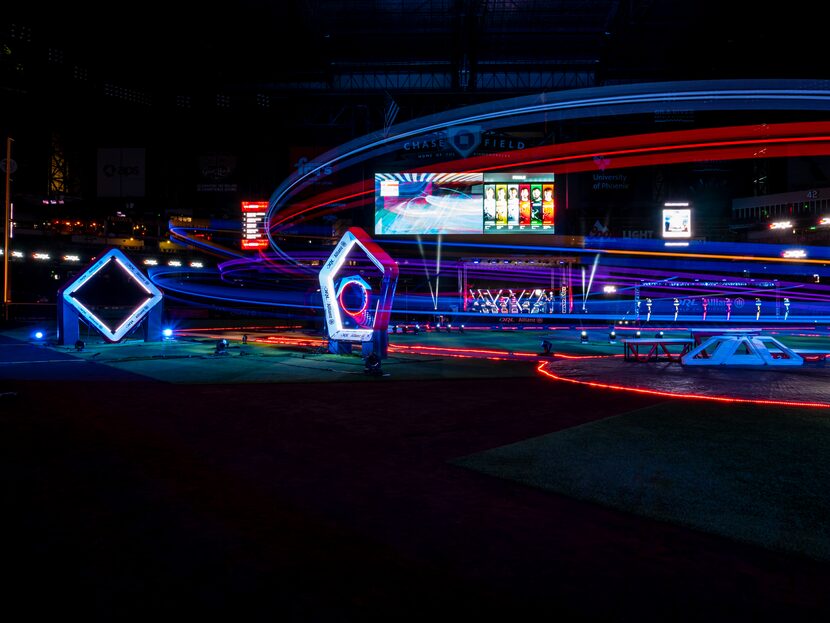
(103, 291)
(464, 138)
(354, 308)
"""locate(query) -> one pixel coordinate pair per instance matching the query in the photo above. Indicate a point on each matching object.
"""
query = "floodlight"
(168, 332)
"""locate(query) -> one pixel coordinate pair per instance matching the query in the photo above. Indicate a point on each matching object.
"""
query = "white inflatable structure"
(742, 350)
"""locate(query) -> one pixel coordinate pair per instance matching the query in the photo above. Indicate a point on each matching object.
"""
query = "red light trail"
(727, 143)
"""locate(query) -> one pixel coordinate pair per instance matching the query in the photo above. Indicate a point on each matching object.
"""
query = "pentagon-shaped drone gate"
(357, 284)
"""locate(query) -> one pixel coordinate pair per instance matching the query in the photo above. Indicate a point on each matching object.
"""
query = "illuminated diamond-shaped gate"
(112, 295)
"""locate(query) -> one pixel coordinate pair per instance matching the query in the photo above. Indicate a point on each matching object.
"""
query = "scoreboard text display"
(253, 225)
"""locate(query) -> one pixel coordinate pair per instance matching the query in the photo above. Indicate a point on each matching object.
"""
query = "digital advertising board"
(677, 220)
(464, 203)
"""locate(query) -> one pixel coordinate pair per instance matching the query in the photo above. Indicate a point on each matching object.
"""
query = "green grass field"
(192, 359)
(755, 474)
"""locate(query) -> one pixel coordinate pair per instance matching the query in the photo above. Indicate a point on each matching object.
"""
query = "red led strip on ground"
(542, 368)
(466, 351)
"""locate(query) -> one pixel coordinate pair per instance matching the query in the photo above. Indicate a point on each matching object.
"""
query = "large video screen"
(464, 203)
(519, 203)
(428, 203)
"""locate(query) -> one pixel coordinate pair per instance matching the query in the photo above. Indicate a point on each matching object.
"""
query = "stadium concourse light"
(612, 337)
(659, 334)
(637, 334)
(583, 337)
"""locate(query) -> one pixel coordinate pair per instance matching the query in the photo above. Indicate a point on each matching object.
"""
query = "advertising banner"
(121, 172)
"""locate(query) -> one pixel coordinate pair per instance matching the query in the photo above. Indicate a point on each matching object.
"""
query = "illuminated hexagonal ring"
(332, 306)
